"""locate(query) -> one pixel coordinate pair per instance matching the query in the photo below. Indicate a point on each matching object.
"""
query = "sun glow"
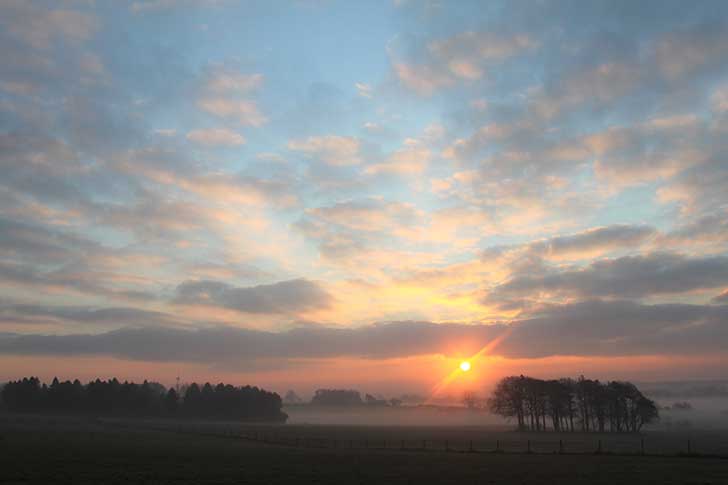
(445, 382)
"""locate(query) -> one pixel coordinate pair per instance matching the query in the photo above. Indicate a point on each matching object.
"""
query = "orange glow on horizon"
(443, 384)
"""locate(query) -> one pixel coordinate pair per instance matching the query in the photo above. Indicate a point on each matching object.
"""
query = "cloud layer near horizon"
(590, 328)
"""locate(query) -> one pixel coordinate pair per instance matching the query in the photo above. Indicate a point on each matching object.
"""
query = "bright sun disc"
(465, 366)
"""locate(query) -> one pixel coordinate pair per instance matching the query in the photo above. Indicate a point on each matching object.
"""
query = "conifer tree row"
(114, 398)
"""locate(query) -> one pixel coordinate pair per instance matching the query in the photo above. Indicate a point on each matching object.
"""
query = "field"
(72, 450)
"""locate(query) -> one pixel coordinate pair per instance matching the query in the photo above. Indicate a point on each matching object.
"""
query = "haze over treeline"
(569, 404)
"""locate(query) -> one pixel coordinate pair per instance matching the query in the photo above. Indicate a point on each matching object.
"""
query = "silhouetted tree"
(171, 402)
(508, 399)
(148, 399)
(615, 406)
(336, 397)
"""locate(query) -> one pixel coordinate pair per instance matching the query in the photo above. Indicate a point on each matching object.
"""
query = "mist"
(690, 405)
(388, 416)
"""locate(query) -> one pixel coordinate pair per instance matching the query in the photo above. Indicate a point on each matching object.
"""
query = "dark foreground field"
(77, 451)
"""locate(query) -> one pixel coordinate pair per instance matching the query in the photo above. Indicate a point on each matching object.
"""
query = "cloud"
(359, 228)
(77, 278)
(45, 167)
(422, 79)
(719, 98)
(216, 137)
(462, 57)
(657, 148)
(37, 243)
(624, 277)
(157, 5)
(722, 298)
(243, 111)
(226, 81)
(117, 316)
(39, 27)
(330, 149)
(226, 94)
(364, 90)
(581, 245)
(598, 238)
(701, 187)
(412, 159)
(710, 229)
(590, 86)
(686, 51)
(178, 169)
(369, 215)
(284, 297)
(465, 53)
(592, 328)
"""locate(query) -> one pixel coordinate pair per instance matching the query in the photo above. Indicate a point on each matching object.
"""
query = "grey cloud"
(625, 277)
(614, 236)
(333, 244)
(36, 243)
(34, 313)
(40, 27)
(77, 277)
(283, 297)
(39, 165)
(702, 187)
(617, 71)
(709, 228)
(588, 328)
(351, 227)
(605, 238)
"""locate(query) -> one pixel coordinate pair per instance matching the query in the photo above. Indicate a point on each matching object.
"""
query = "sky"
(328, 193)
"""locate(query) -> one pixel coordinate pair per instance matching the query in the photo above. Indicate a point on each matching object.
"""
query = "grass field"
(65, 450)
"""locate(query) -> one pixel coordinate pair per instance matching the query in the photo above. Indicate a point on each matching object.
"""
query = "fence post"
(642, 446)
(599, 447)
(561, 447)
(471, 446)
(529, 447)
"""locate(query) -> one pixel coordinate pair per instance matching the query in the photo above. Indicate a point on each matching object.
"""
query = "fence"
(561, 446)
(608, 444)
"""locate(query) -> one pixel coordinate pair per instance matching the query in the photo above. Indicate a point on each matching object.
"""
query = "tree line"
(149, 399)
(572, 404)
(342, 397)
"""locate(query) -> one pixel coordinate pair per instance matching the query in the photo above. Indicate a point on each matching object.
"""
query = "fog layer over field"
(389, 416)
(684, 405)
(690, 404)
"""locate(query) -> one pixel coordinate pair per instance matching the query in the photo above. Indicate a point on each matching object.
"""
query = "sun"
(465, 366)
